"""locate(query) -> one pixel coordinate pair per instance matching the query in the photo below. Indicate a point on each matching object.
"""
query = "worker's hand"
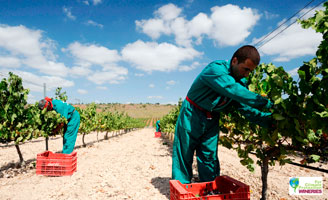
(58, 128)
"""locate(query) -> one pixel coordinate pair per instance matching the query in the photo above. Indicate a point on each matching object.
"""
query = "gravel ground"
(135, 165)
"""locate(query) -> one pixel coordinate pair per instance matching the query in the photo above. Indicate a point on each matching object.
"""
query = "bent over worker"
(220, 84)
(158, 126)
(73, 117)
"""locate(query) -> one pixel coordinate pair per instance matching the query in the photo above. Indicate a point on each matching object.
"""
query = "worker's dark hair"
(42, 104)
(247, 51)
(45, 103)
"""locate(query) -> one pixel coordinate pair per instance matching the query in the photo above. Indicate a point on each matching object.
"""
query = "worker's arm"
(225, 85)
(264, 119)
(58, 128)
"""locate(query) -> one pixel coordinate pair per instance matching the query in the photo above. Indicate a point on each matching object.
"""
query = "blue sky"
(141, 51)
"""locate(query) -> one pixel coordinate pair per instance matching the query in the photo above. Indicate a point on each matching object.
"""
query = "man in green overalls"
(73, 117)
(197, 128)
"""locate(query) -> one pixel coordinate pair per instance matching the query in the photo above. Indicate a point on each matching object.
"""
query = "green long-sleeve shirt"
(66, 110)
(214, 89)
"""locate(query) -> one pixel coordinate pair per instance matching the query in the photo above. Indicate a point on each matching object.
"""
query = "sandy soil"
(135, 165)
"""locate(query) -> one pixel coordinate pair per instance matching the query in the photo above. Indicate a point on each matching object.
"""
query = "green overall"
(158, 128)
(213, 90)
(73, 117)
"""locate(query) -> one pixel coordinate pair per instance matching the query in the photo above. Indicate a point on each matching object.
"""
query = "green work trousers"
(71, 133)
(194, 132)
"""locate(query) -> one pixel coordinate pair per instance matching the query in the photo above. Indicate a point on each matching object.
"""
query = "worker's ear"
(234, 61)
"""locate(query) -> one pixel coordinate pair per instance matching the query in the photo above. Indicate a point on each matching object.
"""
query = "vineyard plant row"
(20, 121)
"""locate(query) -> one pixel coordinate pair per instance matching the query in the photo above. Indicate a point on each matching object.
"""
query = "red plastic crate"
(56, 164)
(229, 189)
(158, 134)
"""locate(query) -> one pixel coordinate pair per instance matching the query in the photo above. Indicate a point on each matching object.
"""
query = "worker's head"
(244, 61)
(45, 103)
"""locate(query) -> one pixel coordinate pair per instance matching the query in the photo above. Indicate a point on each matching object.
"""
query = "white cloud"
(293, 42)
(231, 24)
(52, 82)
(185, 68)
(180, 29)
(96, 2)
(139, 74)
(228, 25)
(9, 62)
(161, 23)
(168, 12)
(26, 47)
(80, 71)
(200, 25)
(152, 56)
(93, 23)
(155, 97)
(101, 88)
(165, 17)
(68, 13)
(93, 54)
(153, 27)
(57, 69)
(171, 82)
(89, 56)
(35, 82)
(151, 85)
(269, 15)
(20, 40)
(82, 91)
(113, 77)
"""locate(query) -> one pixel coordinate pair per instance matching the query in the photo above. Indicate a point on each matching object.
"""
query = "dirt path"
(133, 166)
